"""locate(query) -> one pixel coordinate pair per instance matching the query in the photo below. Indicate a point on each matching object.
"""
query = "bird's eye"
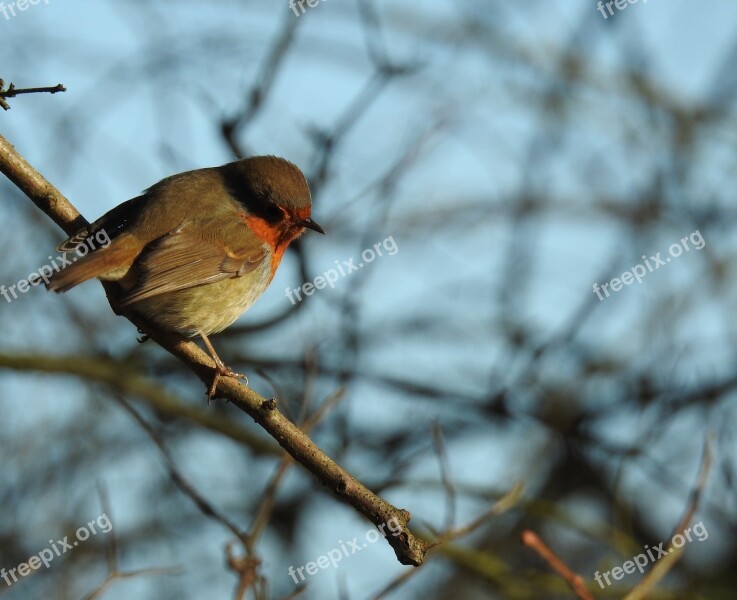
(272, 213)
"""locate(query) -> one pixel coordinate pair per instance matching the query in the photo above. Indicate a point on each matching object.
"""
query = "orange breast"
(272, 235)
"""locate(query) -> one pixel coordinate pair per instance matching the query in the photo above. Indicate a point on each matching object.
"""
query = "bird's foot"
(222, 371)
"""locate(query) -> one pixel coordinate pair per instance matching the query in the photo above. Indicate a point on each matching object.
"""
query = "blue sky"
(145, 90)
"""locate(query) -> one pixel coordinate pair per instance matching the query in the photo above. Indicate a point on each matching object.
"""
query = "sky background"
(148, 87)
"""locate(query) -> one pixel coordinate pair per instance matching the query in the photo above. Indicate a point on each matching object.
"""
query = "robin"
(196, 250)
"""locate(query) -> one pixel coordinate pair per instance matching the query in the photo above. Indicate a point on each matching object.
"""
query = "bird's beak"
(310, 224)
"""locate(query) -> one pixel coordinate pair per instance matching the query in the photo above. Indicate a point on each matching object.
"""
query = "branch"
(123, 379)
(408, 548)
(574, 581)
(662, 567)
(118, 575)
(12, 92)
(479, 563)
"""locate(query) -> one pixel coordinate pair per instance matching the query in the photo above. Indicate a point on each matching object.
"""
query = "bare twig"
(531, 539)
(12, 92)
(118, 575)
(247, 567)
(114, 572)
(662, 567)
(202, 503)
(112, 539)
(450, 492)
(258, 93)
(505, 503)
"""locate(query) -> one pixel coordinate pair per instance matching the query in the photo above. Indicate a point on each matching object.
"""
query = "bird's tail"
(111, 262)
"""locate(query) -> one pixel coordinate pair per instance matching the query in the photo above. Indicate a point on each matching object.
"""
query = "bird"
(197, 249)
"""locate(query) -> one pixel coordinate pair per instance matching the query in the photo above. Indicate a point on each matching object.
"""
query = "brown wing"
(113, 223)
(183, 259)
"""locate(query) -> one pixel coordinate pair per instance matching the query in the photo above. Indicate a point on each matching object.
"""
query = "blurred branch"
(662, 567)
(248, 567)
(269, 496)
(231, 128)
(118, 575)
(445, 475)
(119, 378)
(114, 572)
(492, 567)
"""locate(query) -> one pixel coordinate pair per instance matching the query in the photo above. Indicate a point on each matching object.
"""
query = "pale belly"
(206, 308)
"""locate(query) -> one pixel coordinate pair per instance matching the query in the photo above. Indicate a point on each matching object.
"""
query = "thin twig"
(661, 568)
(247, 568)
(115, 576)
(531, 539)
(12, 92)
(178, 478)
(447, 479)
(112, 539)
(505, 503)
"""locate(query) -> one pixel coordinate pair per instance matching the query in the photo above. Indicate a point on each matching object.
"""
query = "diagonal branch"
(408, 548)
(574, 581)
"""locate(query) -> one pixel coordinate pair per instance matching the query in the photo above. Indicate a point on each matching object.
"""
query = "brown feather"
(118, 256)
(182, 259)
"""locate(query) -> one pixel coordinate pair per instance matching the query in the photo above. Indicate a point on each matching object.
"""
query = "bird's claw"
(222, 371)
